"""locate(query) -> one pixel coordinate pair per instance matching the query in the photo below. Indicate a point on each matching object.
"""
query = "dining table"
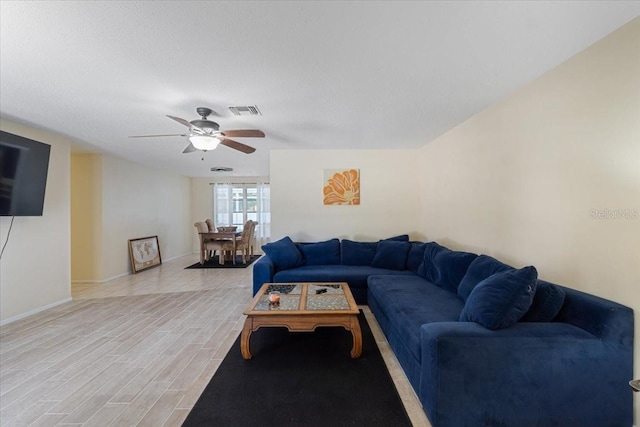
(218, 235)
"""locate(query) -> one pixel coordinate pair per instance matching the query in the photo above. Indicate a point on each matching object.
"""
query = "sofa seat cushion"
(411, 301)
(355, 275)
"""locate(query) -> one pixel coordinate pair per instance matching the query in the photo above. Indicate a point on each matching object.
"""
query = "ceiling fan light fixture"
(204, 142)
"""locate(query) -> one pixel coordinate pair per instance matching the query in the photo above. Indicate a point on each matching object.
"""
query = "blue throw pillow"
(547, 303)
(391, 254)
(415, 255)
(357, 253)
(500, 300)
(481, 268)
(321, 253)
(284, 254)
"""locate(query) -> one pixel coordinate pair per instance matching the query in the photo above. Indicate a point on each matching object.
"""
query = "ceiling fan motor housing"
(203, 122)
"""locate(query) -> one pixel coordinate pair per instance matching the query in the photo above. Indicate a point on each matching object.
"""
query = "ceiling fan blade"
(237, 146)
(181, 121)
(187, 124)
(244, 133)
(154, 136)
(190, 149)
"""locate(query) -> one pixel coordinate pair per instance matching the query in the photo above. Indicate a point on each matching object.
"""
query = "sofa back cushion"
(399, 238)
(427, 268)
(443, 267)
(546, 304)
(415, 255)
(321, 253)
(502, 299)
(451, 266)
(357, 253)
(481, 268)
(391, 254)
(283, 253)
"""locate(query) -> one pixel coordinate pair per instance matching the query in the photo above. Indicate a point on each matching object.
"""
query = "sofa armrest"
(518, 376)
(603, 318)
(263, 271)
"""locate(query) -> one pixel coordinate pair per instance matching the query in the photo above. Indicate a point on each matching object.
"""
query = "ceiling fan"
(206, 135)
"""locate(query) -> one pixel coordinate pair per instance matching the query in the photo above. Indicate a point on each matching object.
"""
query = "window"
(235, 204)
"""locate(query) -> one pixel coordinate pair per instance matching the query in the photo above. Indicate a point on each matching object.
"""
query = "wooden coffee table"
(302, 308)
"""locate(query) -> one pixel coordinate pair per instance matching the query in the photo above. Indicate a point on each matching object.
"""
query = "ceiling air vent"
(246, 110)
(221, 169)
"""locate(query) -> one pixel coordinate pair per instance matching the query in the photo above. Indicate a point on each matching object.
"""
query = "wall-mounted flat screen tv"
(24, 164)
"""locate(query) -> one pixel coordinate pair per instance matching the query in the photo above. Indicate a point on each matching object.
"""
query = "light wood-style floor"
(135, 351)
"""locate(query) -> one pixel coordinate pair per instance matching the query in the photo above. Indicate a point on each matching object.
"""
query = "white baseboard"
(117, 276)
(180, 256)
(101, 280)
(36, 311)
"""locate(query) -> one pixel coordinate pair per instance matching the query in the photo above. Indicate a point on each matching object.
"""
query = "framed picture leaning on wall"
(144, 253)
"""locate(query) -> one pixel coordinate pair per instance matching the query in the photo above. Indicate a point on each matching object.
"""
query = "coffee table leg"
(356, 351)
(245, 339)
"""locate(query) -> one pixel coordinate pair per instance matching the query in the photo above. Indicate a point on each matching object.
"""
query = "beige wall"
(132, 201)
(86, 217)
(389, 204)
(34, 269)
(526, 180)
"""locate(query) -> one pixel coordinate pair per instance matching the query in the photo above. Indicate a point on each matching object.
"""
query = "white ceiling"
(326, 75)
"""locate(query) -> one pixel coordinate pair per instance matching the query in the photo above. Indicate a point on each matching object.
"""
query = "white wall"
(389, 202)
(129, 201)
(138, 201)
(521, 180)
(34, 270)
(201, 207)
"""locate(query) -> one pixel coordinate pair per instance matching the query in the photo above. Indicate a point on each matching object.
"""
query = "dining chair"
(242, 244)
(252, 239)
(208, 247)
(210, 228)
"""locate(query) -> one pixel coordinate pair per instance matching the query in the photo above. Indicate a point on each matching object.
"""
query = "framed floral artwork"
(144, 253)
(341, 187)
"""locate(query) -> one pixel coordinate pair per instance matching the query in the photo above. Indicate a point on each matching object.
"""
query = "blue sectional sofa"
(330, 261)
(481, 342)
